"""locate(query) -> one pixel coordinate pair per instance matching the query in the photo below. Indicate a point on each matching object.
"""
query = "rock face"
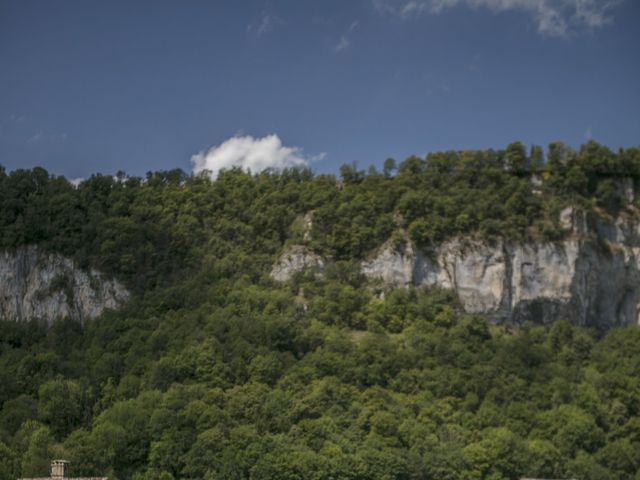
(579, 280)
(394, 265)
(296, 259)
(45, 286)
(592, 278)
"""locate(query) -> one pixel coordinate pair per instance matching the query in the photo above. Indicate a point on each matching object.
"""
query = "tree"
(389, 167)
(585, 467)
(545, 460)
(516, 157)
(16, 411)
(500, 454)
(60, 405)
(557, 157)
(37, 458)
(536, 158)
(8, 470)
(350, 173)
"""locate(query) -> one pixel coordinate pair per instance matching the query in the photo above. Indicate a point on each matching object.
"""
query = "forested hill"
(213, 370)
(146, 231)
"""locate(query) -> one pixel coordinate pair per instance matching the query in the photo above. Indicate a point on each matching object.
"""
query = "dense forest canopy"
(147, 230)
(213, 370)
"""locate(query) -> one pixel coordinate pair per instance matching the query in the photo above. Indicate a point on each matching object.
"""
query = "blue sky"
(99, 86)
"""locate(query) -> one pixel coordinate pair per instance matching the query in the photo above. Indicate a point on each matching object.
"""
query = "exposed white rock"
(436, 269)
(478, 276)
(38, 285)
(543, 271)
(574, 221)
(475, 270)
(295, 259)
(577, 280)
(307, 226)
(591, 278)
(391, 265)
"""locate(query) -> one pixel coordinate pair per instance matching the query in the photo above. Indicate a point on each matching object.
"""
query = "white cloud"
(11, 119)
(264, 25)
(552, 17)
(343, 43)
(249, 153)
(41, 137)
(35, 138)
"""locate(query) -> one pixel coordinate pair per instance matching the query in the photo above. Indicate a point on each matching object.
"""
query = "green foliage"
(148, 231)
(212, 370)
(60, 405)
(8, 467)
(426, 393)
(37, 450)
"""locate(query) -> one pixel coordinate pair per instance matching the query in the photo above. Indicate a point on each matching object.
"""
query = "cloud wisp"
(552, 17)
(250, 154)
(343, 43)
(42, 137)
(345, 40)
(264, 25)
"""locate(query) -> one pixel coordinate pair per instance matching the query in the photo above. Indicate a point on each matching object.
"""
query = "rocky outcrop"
(394, 264)
(296, 258)
(580, 280)
(38, 285)
(590, 278)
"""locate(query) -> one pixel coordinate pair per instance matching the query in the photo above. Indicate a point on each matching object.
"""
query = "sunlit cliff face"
(35, 285)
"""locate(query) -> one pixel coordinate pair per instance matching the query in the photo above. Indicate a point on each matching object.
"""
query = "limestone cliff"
(591, 278)
(38, 285)
(296, 259)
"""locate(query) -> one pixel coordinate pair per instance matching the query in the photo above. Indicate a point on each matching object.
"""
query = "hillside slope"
(213, 369)
(591, 277)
